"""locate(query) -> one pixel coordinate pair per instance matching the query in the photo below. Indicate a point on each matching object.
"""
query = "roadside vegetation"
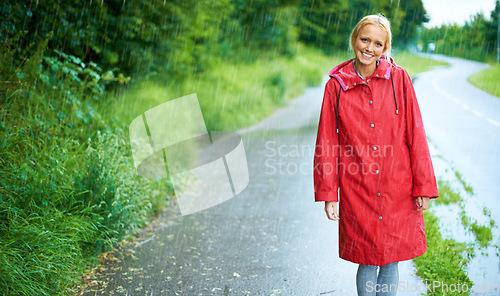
(415, 64)
(488, 80)
(233, 94)
(446, 259)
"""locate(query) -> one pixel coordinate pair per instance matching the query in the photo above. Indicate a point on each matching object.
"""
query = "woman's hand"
(331, 210)
(422, 203)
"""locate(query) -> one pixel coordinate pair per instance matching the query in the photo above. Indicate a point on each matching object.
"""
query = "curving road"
(464, 123)
(273, 239)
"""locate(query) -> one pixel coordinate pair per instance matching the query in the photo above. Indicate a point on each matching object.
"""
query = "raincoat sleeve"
(325, 173)
(424, 180)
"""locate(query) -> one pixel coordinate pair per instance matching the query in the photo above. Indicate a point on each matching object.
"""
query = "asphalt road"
(464, 123)
(273, 239)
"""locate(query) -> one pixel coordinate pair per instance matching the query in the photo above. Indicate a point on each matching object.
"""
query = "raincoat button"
(374, 148)
(363, 81)
(371, 102)
(376, 172)
(378, 194)
(380, 217)
(376, 75)
(372, 125)
(354, 83)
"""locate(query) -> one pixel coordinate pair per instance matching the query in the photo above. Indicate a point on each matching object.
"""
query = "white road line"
(493, 122)
(466, 107)
(444, 94)
(478, 114)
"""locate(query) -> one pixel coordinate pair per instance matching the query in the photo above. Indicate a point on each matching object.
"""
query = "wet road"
(273, 239)
(464, 123)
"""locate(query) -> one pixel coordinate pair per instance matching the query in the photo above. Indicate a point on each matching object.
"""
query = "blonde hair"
(377, 20)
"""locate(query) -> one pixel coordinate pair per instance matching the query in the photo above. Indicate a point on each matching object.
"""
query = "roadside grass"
(482, 233)
(414, 64)
(68, 190)
(231, 95)
(446, 259)
(467, 187)
(487, 80)
(446, 194)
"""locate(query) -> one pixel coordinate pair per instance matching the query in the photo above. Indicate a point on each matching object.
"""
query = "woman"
(372, 145)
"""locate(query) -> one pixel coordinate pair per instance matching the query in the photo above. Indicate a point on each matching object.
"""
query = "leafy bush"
(67, 190)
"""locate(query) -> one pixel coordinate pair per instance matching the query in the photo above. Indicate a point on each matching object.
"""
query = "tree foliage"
(476, 39)
(179, 37)
(328, 23)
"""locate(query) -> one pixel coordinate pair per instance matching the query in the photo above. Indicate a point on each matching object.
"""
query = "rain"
(167, 147)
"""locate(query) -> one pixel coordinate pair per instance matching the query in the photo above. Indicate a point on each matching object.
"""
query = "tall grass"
(67, 191)
(232, 94)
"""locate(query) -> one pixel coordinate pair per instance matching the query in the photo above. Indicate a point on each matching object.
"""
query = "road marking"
(493, 122)
(478, 114)
(444, 94)
(466, 107)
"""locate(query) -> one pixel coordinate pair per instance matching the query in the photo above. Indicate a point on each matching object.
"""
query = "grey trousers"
(385, 283)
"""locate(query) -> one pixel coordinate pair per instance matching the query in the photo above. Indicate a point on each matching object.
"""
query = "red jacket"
(379, 159)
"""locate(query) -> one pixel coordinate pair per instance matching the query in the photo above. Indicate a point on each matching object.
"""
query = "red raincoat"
(379, 159)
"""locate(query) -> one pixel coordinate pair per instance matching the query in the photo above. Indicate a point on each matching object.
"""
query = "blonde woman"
(372, 151)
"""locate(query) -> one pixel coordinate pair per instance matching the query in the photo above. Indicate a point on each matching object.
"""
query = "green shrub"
(67, 191)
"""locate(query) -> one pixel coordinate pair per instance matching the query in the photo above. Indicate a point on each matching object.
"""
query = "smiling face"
(369, 46)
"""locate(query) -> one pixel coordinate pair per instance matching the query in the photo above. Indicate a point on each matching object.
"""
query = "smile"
(366, 56)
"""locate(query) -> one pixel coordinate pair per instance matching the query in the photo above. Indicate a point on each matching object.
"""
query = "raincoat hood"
(348, 78)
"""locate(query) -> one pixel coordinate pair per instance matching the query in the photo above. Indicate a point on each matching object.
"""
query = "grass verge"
(231, 95)
(487, 80)
(414, 64)
(446, 259)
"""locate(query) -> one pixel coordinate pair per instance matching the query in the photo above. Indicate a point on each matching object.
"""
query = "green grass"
(467, 187)
(231, 95)
(68, 191)
(446, 194)
(487, 80)
(415, 64)
(445, 260)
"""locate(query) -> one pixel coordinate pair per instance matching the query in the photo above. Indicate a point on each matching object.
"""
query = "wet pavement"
(273, 239)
